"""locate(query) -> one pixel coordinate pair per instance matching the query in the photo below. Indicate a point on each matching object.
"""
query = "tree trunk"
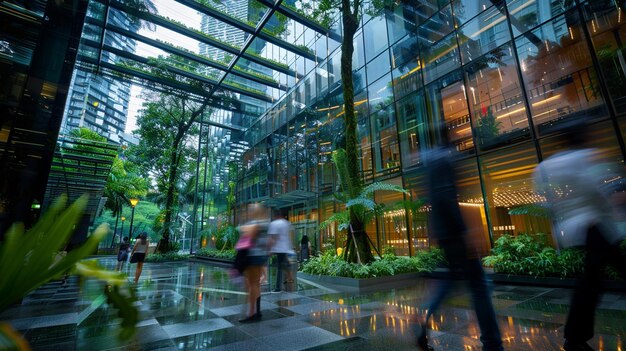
(164, 245)
(119, 213)
(350, 25)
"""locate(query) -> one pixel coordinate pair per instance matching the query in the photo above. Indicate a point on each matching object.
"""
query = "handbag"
(133, 258)
(245, 242)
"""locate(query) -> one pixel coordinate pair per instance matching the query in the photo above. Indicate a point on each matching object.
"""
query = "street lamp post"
(122, 232)
(133, 202)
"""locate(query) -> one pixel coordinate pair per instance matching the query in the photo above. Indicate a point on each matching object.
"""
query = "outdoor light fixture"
(133, 202)
(122, 232)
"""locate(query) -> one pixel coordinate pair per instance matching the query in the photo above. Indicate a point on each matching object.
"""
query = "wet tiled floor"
(195, 306)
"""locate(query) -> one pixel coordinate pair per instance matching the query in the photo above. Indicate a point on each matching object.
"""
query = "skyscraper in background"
(96, 101)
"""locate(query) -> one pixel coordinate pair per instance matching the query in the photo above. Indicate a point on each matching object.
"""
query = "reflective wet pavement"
(195, 306)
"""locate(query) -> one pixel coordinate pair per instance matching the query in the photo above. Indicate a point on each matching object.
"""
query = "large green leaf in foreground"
(32, 258)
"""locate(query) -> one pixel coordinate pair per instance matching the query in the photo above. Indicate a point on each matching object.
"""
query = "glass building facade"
(96, 101)
(502, 75)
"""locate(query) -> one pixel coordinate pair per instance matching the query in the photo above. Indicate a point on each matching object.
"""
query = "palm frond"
(530, 210)
(365, 202)
(341, 218)
(381, 186)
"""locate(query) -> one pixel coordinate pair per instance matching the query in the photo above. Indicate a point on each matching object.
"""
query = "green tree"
(361, 207)
(123, 183)
(350, 12)
(165, 127)
(488, 126)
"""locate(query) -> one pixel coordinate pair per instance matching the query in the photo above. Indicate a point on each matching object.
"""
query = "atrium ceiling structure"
(246, 74)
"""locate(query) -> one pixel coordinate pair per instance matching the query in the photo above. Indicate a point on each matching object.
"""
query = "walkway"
(194, 306)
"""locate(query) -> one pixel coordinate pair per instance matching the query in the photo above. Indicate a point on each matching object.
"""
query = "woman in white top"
(138, 254)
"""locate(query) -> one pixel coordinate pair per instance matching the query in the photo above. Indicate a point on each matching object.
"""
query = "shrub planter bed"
(361, 284)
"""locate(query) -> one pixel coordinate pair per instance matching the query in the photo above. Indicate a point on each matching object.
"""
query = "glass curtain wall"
(502, 76)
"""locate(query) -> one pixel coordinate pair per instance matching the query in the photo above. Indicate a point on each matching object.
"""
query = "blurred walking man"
(281, 245)
(581, 196)
(450, 232)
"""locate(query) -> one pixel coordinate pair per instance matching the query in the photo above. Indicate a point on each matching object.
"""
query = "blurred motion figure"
(450, 231)
(581, 196)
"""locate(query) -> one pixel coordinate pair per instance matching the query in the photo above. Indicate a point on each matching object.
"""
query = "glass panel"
(484, 33)
(330, 237)
(358, 59)
(498, 111)
(427, 8)
(472, 205)
(465, 10)
(440, 58)
(360, 105)
(385, 143)
(380, 93)
(392, 224)
(365, 147)
(407, 78)
(608, 32)
(375, 35)
(400, 22)
(507, 176)
(334, 70)
(526, 14)
(446, 102)
(378, 66)
(437, 27)
(404, 51)
(416, 206)
(411, 112)
(558, 74)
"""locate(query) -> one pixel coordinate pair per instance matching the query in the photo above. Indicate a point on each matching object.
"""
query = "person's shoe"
(422, 341)
(250, 319)
(257, 316)
(576, 346)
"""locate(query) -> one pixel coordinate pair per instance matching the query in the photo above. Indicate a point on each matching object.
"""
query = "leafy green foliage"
(122, 300)
(488, 127)
(226, 237)
(530, 255)
(38, 248)
(361, 203)
(215, 253)
(31, 259)
(167, 256)
(166, 125)
(530, 210)
(332, 265)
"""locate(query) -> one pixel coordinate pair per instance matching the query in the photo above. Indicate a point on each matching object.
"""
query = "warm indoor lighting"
(133, 201)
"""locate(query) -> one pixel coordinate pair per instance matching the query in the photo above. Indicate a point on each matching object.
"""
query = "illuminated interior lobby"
(503, 75)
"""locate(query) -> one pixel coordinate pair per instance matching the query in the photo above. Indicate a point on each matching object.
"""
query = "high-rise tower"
(95, 101)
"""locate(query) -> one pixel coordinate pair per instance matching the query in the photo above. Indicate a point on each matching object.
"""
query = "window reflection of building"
(607, 28)
(558, 73)
(495, 97)
(446, 102)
